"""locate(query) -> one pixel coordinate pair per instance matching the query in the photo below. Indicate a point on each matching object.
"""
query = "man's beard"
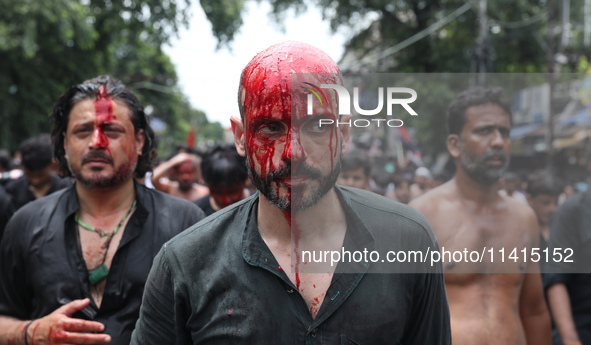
(298, 198)
(123, 174)
(477, 169)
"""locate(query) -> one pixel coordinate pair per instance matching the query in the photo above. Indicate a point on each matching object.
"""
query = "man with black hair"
(355, 170)
(568, 281)
(38, 179)
(74, 264)
(468, 214)
(543, 190)
(225, 174)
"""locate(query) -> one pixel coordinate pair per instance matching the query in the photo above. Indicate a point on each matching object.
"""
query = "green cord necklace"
(101, 272)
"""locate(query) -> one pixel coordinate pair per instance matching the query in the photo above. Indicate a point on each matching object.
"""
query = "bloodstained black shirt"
(42, 267)
(571, 228)
(218, 283)
(22, 195)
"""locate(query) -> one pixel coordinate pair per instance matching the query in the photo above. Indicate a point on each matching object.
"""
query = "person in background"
(422, 183)
(543, 190)
(38, 179)
(512, 187)
(355, 170)
(401, 192)
(225, 174)
(177, 177)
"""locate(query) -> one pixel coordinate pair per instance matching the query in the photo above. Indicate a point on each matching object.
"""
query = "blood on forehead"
(103, 106)
(266, 81)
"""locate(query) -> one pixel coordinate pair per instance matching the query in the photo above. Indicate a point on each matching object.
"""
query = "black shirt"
(218, 283)
(21, 194)
(6, 209)
(571, 228)
(42, 267)
(205, 205)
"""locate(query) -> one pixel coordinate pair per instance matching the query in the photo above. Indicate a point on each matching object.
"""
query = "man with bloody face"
(74, 264)
(240, 275)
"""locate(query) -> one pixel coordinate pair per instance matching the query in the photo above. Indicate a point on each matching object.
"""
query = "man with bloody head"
(74, 263)
(241, 275)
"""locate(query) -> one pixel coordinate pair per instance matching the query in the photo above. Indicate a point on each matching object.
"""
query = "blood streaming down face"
(266, 97)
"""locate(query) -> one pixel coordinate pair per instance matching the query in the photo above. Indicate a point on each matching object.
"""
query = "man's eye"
(315, 126)
(271, 129)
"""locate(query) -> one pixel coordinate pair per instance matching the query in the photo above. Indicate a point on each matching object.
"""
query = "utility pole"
(482, 42)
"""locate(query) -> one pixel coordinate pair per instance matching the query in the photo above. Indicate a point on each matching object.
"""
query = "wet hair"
(89, 89)
(223, 167)
(5, 160)
(353, 160)
(36, 153)
(456, 113)
(543, 182)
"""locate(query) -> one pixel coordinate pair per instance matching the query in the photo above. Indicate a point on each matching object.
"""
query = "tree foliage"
(46, 48)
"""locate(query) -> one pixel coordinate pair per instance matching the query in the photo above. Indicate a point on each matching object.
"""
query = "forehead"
(186, 167)
(266, 83)
(486, 115)
(86, 111)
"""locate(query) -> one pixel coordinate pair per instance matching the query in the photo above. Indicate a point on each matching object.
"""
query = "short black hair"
(36, 153)
(355, 159)
(456, 113)
(5, 160)
(223, 167)
(89, 89)
(544, 182)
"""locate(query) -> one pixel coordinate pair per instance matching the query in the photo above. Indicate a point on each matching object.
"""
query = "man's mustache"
(96, 155)
(495, 152)
(300, 170)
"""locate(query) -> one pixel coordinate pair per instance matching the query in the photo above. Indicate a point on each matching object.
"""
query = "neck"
(474, 191)
(317, 221)
(98, 201)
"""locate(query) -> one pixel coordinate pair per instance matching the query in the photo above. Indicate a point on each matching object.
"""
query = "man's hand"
(60, 328)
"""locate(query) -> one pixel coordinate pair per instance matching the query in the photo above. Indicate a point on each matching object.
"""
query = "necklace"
(101, 272)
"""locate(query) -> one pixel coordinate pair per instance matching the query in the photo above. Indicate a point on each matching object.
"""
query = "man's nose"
(498, 139)
(99, 139)
(293, 147)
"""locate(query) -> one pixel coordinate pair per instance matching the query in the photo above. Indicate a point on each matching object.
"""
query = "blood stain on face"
(103, 106)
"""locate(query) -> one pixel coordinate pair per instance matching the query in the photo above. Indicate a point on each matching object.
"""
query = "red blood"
(230, 311)
(279, 267)
(34, 330)
(103, 106)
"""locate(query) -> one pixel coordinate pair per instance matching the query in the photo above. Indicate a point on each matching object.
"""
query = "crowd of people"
(99, 243)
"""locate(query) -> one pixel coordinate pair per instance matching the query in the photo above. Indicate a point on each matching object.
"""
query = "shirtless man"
(184, 167)
(467, 212)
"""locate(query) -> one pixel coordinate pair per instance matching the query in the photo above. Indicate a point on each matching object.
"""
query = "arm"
(164, 169)
(533, 312)
(562, 313)
(55, 328)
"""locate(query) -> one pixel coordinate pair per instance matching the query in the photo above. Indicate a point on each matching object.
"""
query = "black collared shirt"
(218, 283)
(22, 195)
(42, 267)
(571, 228)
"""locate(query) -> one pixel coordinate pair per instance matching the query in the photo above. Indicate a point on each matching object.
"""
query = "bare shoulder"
(520, 213)
(431, 201)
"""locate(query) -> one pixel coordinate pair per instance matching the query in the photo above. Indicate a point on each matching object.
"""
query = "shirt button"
(290, 291)
(315, 330)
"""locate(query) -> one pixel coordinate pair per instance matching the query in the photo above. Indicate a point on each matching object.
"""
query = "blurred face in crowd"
(544, 205)
(354, 178)
(484, 143)
(226, 196)
(402, 191)
(185, 175)
(101, 147)
(38, 178)
(291, 159)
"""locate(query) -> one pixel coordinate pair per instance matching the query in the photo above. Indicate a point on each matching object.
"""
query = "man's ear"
(140, 139)
(345, 133)
(238, 130)
(453, 145)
